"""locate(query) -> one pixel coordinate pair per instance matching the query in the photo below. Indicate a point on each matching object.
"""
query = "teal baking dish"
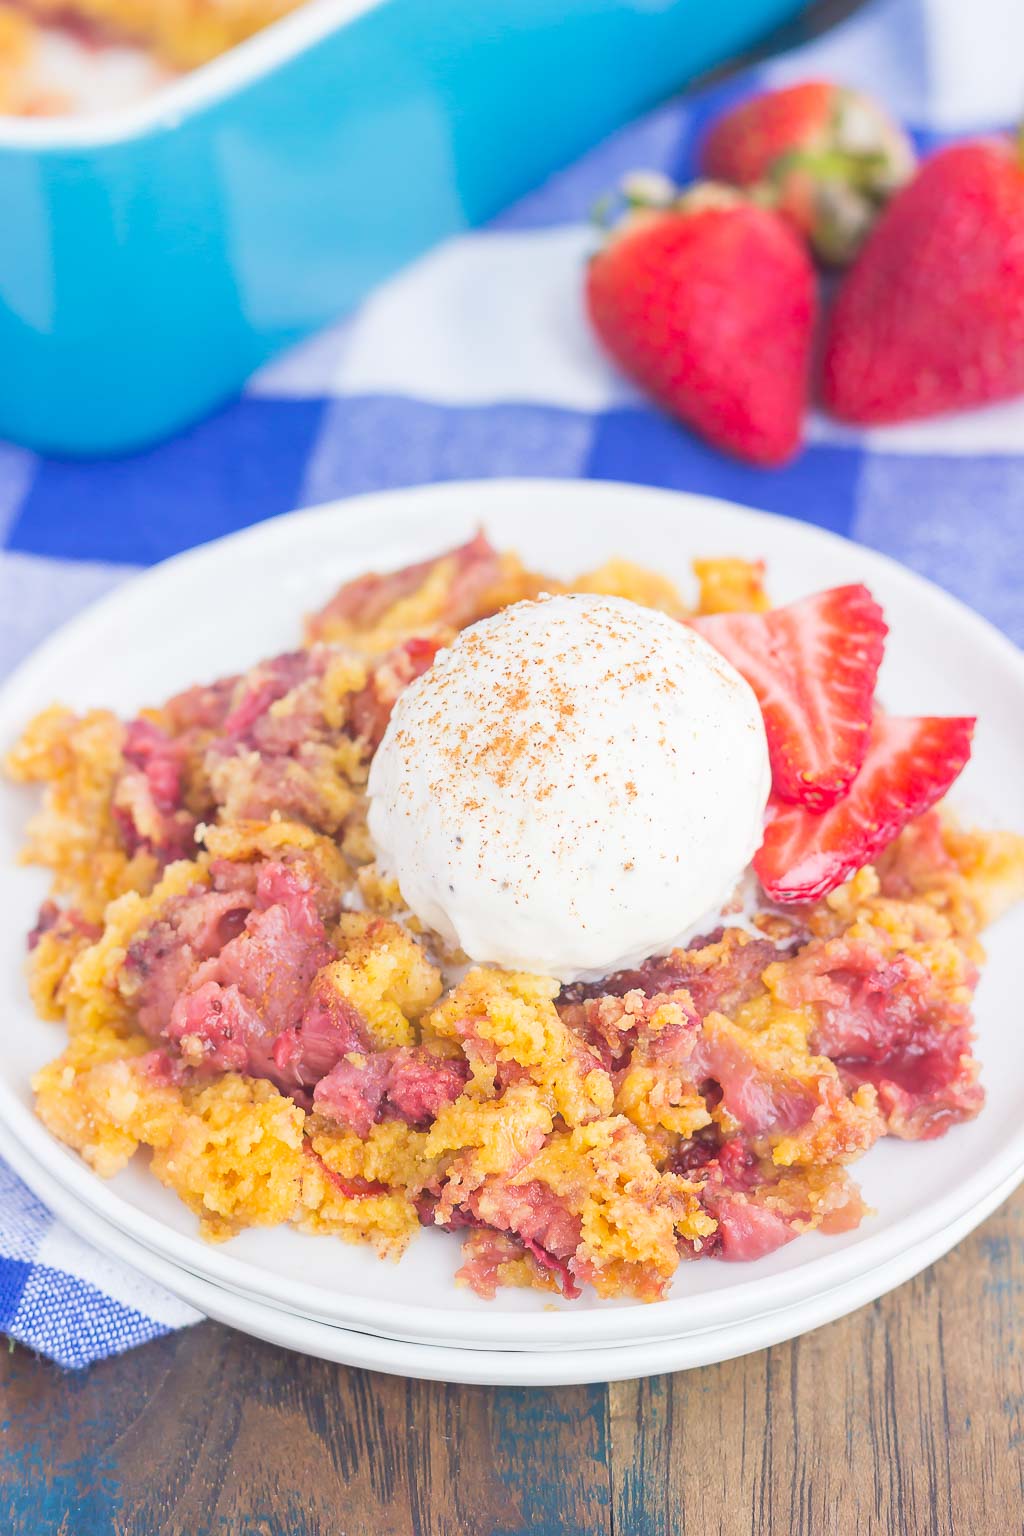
(152, 257)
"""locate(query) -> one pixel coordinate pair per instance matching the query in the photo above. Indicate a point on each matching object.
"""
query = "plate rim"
(562, 1326)
(483, 1366)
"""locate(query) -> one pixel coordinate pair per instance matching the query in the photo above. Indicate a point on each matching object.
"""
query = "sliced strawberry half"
(813, 667)
(909, 766)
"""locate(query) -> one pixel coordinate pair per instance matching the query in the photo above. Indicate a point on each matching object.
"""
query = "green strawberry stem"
(855, 170)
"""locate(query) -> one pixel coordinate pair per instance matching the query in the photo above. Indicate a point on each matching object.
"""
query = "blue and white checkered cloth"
(476, 361)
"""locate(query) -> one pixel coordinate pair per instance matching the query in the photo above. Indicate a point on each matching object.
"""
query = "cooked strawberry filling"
(886, 1021)
(52, 920)
(147, 801)
(224, 973)
(409, 1083)
(246, 997)
(468, 578)
(715, 976)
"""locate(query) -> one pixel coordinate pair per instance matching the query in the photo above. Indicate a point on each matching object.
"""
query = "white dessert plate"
(219, 608)
(483, 1367)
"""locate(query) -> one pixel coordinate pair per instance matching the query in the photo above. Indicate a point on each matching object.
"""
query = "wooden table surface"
(907, 1417)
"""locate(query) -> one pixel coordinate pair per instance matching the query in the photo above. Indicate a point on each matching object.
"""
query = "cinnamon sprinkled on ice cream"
(571, 786)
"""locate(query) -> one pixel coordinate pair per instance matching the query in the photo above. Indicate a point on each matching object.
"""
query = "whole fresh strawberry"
(930, 318)
(825, 156)
(708, 302)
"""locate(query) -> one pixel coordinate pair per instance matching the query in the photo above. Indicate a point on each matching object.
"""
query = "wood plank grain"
(907, 1417)
(211, 1432)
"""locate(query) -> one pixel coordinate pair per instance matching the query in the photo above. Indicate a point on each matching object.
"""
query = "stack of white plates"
(219, 608)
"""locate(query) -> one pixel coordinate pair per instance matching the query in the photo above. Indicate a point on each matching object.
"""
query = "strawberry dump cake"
(603, 930)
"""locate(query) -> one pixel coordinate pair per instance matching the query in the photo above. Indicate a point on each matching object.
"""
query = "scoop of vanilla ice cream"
(570, 787)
